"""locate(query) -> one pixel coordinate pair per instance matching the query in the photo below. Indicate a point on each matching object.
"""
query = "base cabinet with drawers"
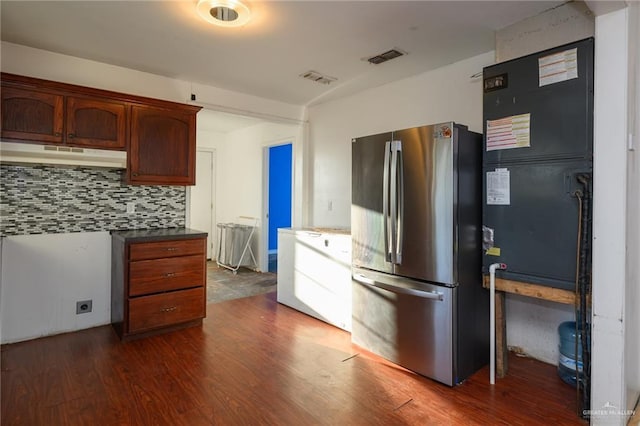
(158, 280)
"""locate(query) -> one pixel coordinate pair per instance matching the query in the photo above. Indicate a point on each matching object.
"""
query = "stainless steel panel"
(367, 212)
(405, 321)
(428, 211)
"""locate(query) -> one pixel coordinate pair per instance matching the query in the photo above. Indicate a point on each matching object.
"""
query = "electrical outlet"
(84, 306)
(131, 207)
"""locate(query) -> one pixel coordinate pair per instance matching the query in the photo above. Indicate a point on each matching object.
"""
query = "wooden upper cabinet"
(159, 136)
(32, 115)
(53, 116)
(162, 146)
(96, 123)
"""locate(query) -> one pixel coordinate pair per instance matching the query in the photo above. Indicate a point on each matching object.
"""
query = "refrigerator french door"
(417, 290)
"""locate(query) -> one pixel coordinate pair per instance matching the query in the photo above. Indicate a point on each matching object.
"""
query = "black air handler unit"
(538, 162)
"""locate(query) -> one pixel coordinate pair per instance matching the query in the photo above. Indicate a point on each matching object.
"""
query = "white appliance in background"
(44, 275)
(314, 274)
(17, 153)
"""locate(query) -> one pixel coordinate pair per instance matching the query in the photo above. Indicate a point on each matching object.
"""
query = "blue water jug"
(567, 359)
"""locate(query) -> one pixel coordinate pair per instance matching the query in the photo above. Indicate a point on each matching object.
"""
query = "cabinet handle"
(170, 274)
(135, 174)
(71, 136)
(172, 248)
(57, 134)
(173, 308)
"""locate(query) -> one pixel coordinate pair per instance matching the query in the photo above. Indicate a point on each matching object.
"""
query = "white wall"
(43, 276)
(445, 94)
(208, 138)
(610, 216)
(17, 59)
(632, 292)
(569, 22)
(532, 326)
(239, 175)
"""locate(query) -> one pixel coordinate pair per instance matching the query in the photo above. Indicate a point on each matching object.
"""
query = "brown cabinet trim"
(75, 90)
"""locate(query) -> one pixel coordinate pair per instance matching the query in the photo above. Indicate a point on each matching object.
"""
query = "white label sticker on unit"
(558, 67)
(509, 132)
(498, 188)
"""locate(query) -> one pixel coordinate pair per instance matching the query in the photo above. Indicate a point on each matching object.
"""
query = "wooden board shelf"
(523, 289)
(533, 290)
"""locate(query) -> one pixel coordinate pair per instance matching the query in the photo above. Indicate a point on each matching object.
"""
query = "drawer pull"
(173, 308)
(170, 274)
(172, 248)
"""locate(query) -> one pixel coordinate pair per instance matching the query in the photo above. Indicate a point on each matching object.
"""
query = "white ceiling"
(283, 39)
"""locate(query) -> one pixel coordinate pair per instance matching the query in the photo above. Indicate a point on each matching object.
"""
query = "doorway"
(202, 196)
(280, 179)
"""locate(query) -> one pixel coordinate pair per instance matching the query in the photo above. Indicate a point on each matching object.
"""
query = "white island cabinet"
(314, 273)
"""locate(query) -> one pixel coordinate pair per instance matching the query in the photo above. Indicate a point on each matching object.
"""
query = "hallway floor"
(223, 284)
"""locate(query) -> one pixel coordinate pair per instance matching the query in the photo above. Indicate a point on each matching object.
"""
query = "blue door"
(280, 180)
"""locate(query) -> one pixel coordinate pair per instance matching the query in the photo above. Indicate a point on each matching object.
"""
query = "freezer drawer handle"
(434, 295)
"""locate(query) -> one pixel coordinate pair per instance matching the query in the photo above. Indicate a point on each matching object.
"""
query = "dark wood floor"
(255, 362)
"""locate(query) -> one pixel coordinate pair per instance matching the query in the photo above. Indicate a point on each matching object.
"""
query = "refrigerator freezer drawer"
(407, 322)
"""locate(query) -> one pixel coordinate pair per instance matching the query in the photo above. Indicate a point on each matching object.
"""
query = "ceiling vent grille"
(386, 56)
(317, 77)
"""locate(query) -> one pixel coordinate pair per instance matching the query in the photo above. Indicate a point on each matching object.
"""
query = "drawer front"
(160, 310)
(155, 250)
(158, 275)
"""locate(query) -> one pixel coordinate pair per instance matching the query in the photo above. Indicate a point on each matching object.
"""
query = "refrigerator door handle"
(400, 202)
(394, 201)
(433, 295)
(385, 201)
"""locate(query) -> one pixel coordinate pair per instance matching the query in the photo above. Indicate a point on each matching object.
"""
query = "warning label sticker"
(509, 132)
(498, 188)
(558, 67)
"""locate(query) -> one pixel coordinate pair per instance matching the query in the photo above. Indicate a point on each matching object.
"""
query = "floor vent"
(386, 56)
(317, 77)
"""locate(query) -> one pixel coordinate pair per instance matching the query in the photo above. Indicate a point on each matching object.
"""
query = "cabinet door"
(162, 147)
(96, 123)
(31, 115)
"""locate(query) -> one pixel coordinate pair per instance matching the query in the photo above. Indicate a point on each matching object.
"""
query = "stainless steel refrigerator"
(416, 213)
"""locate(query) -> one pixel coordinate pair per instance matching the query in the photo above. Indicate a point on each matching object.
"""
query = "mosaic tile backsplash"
(39, 199)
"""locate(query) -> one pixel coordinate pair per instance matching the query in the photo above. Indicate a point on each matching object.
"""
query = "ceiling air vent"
(386, 56)
(317, 77)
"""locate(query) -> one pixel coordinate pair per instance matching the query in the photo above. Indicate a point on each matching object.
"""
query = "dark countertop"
(142, 235)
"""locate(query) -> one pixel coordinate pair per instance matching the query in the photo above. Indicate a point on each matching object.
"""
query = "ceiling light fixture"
(225, 13)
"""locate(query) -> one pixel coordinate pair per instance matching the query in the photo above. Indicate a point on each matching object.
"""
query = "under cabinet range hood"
(12, 153)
